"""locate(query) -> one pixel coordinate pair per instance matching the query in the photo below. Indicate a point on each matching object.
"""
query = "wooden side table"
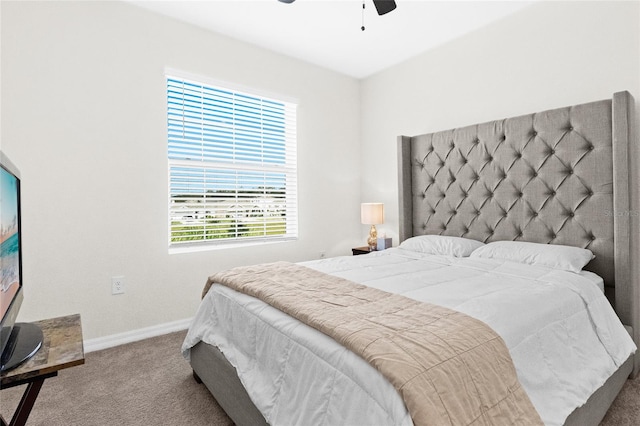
(360, 250)
(61, 348)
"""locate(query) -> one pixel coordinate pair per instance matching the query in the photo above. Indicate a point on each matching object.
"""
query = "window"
(232, 165)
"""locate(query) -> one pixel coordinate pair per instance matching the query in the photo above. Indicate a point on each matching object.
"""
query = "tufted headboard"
(558, 177)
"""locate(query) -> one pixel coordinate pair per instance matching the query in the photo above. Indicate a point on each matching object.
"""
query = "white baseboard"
(100, 343)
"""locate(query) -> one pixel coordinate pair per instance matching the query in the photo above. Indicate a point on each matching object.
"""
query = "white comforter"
(563, 336)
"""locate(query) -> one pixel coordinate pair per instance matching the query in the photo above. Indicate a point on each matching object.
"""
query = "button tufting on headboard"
(539, 182)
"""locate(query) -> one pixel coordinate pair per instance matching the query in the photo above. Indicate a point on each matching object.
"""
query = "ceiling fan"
(382, 6)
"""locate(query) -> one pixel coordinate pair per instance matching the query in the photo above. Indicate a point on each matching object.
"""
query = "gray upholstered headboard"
(559, 177)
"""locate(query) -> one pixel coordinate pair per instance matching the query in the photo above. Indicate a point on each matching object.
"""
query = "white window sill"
(198, 247)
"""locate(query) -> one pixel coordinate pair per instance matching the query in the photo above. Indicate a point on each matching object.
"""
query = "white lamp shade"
(372, 213)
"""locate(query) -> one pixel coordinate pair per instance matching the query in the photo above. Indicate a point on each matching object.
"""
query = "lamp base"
(372, 241)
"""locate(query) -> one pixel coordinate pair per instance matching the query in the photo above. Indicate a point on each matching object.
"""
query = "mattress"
(563, 336)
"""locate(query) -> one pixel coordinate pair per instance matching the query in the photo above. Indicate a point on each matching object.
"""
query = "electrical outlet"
(117, 285)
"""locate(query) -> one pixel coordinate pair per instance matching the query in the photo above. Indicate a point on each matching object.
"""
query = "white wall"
(83, 117)
(549, 55)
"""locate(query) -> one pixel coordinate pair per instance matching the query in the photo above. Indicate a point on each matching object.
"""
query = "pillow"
(440, 244)
(550, 255)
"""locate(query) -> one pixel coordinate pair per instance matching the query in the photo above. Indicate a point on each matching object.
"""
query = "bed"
(558, 177)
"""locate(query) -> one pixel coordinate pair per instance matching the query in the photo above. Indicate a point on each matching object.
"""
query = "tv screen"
(18, 342)
(9, 240)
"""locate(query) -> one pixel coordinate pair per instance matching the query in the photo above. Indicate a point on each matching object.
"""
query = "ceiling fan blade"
(383, 6)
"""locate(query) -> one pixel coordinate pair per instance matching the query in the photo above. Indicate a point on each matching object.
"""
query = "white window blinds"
(232, 165)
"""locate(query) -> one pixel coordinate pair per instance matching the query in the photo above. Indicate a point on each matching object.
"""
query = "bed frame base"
(596, 407)
(220, 377)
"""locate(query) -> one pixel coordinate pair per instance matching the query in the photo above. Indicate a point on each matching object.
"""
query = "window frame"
(285, 171)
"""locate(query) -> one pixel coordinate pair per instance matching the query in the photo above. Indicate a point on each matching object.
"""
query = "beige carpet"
(141, 383)
(149, 383)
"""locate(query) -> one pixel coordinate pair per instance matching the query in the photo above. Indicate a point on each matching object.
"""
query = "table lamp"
(372, 214)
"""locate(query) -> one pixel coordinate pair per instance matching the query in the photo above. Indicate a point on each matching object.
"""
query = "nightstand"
(360, 250)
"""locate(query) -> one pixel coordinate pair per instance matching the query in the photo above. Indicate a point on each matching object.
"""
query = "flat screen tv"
(18, 341)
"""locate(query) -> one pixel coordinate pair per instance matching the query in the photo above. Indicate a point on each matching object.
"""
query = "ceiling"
(328, 32)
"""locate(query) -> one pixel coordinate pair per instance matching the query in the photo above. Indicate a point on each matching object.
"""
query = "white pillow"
(550, 255)
(441, 244)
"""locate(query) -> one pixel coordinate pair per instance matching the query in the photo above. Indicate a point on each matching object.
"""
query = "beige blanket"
(449, 368)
